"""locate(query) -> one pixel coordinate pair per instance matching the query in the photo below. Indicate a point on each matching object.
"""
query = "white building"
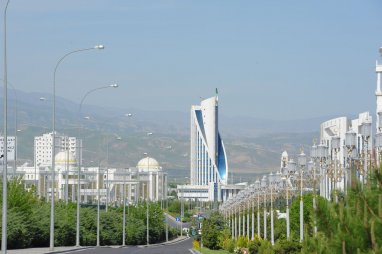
(147, 181)
(208, 159)
(338, 127)
(43, 147)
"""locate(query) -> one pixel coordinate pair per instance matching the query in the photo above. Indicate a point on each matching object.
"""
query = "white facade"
(139, 184)
(11, 145)
(43, 148)
(356, 125)
(338, 127)
(208, 159)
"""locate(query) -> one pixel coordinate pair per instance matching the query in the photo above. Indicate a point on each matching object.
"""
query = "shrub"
(228, 244)
(284, 246)
(242, 242)
(237, 250)
(266, 247)
(211, 230)
(253, 246)
(224, 238)
(231, 246)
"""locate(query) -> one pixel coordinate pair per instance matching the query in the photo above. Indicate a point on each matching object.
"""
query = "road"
(182, 247)
(176, 224)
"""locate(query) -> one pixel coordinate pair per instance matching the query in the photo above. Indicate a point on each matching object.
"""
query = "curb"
(166, 243)
(71, 250)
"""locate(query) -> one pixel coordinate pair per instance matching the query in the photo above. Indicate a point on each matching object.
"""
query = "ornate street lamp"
(336, 143)
(274, 185)
(264, 186)
(287, 173)
(365, 130)
(322, 155)
(257, 188)
(301, 160)
(350, 145)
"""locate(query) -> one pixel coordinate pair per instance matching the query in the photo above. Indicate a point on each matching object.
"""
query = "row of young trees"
(354, 225)
(29, 222)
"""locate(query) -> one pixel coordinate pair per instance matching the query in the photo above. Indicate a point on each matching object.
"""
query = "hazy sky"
(272, 59)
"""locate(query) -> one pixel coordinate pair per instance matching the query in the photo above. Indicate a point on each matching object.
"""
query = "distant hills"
(253, 145)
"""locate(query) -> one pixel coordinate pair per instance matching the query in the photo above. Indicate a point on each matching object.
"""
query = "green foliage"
(211, 229)
(253, 245)
(224, 239)
(174, 207)
(351, 225)
(283, 247)
(266, 247)
(29, 222)
(242, 242)
(231, 245)
(295, 213)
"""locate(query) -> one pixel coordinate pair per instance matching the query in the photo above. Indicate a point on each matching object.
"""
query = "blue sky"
(269, 59)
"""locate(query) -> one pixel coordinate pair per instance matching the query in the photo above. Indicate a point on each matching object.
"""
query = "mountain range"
(253, 145)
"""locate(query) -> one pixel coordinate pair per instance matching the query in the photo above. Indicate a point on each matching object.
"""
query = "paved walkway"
(76, 249)
(46, 250)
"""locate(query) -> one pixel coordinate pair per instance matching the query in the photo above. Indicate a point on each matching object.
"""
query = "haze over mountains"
(253, 145)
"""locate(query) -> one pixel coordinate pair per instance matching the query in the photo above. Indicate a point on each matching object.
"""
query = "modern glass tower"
(208, 157)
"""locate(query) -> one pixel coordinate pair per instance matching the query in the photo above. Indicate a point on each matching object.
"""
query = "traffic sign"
(177, 219)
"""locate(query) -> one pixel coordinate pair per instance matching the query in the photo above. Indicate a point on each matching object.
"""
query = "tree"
(211, 228)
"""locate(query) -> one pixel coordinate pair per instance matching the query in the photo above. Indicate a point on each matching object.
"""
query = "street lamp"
(124, 211)
(274, 185)
(264, 185)
(350, 145)
(147, 200)
(336, 141)
(289, 170)
(98, 202)
(80, 159)
(365, 131)
(5, 157)
(51, 245)
(301, 161)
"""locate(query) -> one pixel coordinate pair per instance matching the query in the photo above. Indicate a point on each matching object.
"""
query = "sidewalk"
(74, 249)
(46, 250)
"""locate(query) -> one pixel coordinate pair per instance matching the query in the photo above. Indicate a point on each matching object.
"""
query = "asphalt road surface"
(176, 224)
(182, 247)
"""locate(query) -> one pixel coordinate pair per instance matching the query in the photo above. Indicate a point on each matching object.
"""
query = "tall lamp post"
(366, 133)
(98, 201)
(288, 171)
(5, 157)
(264, 185)
(147, 202)
(51, 242)
(257, 188)
(274, 185)
(301, 161)
(335, 146)
(350, 145)
(80, 160)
